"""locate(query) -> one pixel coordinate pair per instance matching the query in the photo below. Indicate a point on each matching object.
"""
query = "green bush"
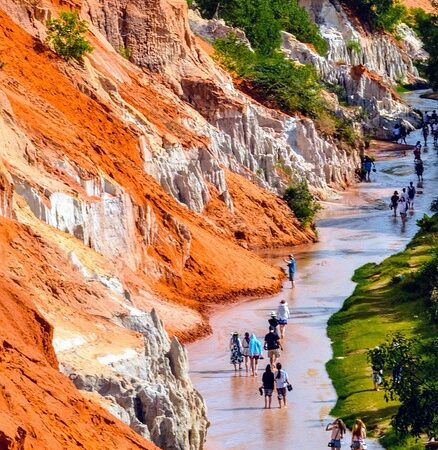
(302, 202)
(282, 83)
(354, 46)
(262, 21)
(426, 26)
(125, 52)
(66, 36)
(379, 14)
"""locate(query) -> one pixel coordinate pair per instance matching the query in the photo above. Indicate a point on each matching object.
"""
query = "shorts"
(291, 276)
(245, 351)
(268, 392)
(282, 321)
(274, 352)
(377, 378)
(356, 445)
(256, 357)
(336, 443)
(281, 393)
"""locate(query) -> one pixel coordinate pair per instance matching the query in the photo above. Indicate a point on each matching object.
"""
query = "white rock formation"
(149, 389)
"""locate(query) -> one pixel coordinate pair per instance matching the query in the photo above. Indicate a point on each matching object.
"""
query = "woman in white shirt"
(283, 315)
(281, 383)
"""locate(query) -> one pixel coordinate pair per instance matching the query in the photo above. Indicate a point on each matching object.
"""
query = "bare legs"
(246, 364)
(282, 330)
(268, 400)
(282, 397)
(254, 363)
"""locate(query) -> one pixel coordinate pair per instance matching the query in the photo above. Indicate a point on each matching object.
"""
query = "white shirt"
(282, 381)
(283, 311)
(403, 197)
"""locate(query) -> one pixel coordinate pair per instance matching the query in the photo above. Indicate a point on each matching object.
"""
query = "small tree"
(410, 377)
(302, 202)
(66, 36)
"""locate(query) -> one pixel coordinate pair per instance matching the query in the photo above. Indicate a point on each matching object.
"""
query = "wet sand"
(355, 230)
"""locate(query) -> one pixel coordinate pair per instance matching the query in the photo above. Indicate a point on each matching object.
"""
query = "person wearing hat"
(291, 267)
(236, 357)
(283, 315)
(273, 321)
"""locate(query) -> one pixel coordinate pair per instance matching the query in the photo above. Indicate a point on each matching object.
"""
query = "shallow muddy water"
(356, 229)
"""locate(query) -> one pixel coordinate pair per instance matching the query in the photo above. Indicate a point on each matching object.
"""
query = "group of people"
(399, 133)
(430, 127)
(338, 430)
(249, 350)
(403, 201)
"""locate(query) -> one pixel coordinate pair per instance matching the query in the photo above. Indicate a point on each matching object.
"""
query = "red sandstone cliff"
(89, 237)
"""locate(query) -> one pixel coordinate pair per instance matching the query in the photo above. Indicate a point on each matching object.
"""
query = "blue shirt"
(292, 265)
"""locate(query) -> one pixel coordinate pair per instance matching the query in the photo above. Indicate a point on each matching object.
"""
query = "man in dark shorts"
(272, 345)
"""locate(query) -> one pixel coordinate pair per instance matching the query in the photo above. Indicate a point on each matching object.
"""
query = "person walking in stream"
(255, 352)
(394, 202)
(425, 132)
(236, 357)
(282, 383)
(272, 345)
(411, 195)
(417, 150)
(434, 128)
(267, 387)
(338, 430)
(358, 435)
(403, 205)
(273, 321)
(291, 268)
(245, 351)
(419, 169)
(283, 315)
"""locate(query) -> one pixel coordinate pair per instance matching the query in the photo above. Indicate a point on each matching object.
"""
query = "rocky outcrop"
(366, 66)
(151, 392)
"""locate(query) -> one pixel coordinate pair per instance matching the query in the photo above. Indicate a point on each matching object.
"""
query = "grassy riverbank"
(378, 307)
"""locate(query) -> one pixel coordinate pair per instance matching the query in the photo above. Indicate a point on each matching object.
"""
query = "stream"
(356, 229)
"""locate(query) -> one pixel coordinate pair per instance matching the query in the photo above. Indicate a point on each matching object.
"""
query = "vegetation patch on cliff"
(392, 297)
(426, 26)
(262, 21)
(280, 83)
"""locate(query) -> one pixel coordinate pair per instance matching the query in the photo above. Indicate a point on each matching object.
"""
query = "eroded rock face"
(151, 392)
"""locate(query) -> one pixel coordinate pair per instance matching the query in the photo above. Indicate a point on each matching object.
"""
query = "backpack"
(411, 191)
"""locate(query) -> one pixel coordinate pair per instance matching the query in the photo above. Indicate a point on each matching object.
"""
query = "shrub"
(302, 202)
(426, 26)
(425, 223)
(353, 45)
(125, 52)
(379, 14)
(282, 83)
(262, 21)
(66, 36)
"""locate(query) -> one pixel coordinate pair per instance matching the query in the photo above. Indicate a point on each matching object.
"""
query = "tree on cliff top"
(426, 26)
(66, 36)
(262, 21)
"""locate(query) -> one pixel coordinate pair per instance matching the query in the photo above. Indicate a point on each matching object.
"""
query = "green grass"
(401, 89)
(378, 307)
